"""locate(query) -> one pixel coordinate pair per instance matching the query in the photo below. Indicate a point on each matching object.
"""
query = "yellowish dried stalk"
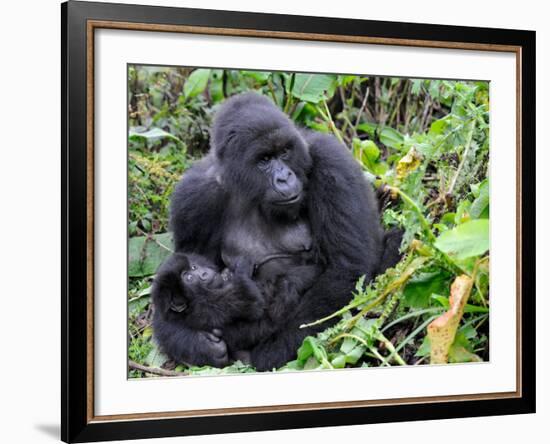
(442, 330)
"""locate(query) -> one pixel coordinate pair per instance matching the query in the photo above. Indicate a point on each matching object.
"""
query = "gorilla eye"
(193, 267)
(286, 153)
(264, 161)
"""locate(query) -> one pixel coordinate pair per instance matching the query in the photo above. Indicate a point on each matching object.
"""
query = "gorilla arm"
(196, 210)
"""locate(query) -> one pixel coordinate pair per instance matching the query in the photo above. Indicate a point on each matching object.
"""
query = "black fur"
(228, 205)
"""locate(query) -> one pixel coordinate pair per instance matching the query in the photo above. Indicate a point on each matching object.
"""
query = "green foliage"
(146, 253)
(424, 142)
(467, 240)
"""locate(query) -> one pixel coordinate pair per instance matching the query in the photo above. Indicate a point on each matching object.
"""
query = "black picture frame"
(77, 424)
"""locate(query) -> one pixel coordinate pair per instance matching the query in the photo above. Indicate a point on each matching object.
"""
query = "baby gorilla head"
(199, 280)
(208, 298)
(201, 275)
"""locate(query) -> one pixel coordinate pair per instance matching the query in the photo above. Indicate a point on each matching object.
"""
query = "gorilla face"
(198, 276)
(263, 159)
(281, 186)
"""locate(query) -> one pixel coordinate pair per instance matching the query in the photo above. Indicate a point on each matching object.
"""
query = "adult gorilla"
(284, 198)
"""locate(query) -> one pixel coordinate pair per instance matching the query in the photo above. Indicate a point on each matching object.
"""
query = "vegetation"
(424, 144)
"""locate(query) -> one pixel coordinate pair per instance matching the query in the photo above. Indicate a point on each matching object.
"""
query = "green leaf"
(369, 128)
(312, 364)
(305, 351)
(348, 344)
(467, 240)
(339, 361)
(392, 138)
(438, 126)
(480, 206)
(469, 308)
(258, 76)
(419, 289)
(313, 87)
(155, 358)
(354, 355)
(151, 135)
(145, 253)
(425, 348)
(216, 85)
(368, 154)
(196, 83)
(458, 353)
(136, 306)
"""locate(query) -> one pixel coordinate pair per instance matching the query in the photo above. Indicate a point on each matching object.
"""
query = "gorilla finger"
(212, 337)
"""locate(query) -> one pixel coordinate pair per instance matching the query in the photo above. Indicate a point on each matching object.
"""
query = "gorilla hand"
(283, 300)
(213, 348)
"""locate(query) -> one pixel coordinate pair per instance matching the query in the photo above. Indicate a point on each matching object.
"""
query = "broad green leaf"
(306, 350)
(392, 138)
(368, 154)
(369, 128)
(145, 254)
(467, 240)
(313, 87)
(151, 135)
(196, 83)
(438, 126)
(420, 287)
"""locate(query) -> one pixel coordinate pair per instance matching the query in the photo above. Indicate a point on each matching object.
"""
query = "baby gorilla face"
(200, 277)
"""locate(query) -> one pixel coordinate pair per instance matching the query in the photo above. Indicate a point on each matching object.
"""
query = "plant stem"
(394, 285)
(423, 222)
(412, 315)
(393, 352)
(331, 123)
(469, 138)
(415, 332)
(154, 370)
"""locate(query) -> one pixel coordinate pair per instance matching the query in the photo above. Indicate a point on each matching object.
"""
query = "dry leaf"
(408, 163)
(442, 331)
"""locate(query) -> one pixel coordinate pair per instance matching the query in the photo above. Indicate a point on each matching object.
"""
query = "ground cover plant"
(423, 144)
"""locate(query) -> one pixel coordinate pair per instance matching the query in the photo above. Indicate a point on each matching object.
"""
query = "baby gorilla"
(211, 299)
(190, 289)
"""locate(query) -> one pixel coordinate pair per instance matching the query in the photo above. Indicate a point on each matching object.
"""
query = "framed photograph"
(275, 221)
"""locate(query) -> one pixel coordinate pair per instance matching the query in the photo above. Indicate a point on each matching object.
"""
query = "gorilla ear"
(220, 145)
